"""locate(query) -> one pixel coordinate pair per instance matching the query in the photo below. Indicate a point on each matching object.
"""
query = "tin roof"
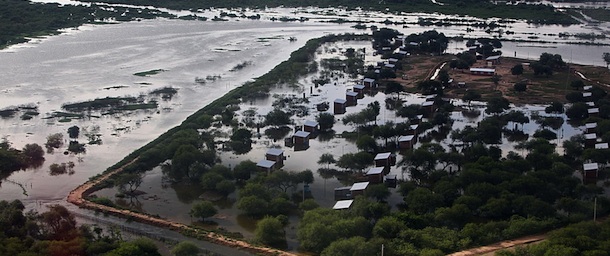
(265, 163)
(275, 151)
(375, 170)
(343, 204)
(359, 186)
(381, 156)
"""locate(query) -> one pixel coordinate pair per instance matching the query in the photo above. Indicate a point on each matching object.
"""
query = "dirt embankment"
(77, 197)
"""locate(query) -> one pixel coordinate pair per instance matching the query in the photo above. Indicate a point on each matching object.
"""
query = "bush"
(520, 86)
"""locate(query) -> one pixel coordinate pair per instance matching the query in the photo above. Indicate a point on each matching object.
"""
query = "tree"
(497, 105)
(203, 210)
(241, 141)
(184, 157)
(277, 117)
(520, 86)
(517, 70)
(270, 231)
(366, 143)
(73, 132)
(54, 141)
(555, 108)
(606, 58)
(58, 223)
(471, 95)
(577, 84)
(185, 248)
(140, 247)
(243, 170)
(393, 87)
(496, 80)
(430, 87)
(577, 111)
(253, 205)
(379, 192)
(326, 121)
(33, 152)
(328, 159)
(129, 182)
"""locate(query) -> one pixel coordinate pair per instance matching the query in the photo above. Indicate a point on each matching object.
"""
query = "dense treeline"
(55, 233)
(535, 13)
(22, 18)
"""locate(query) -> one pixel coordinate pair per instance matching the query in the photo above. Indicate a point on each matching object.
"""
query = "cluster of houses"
(376, 175)
(591, 170)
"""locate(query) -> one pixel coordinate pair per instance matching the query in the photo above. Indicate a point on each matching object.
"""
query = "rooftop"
(310, 123)
(375, 170)
(590, 167)
(301, 134)
(359, 186)
(382, 156)
(343, 204)
(406, 138)
(275, 151)
(340, 101)
(265, 163)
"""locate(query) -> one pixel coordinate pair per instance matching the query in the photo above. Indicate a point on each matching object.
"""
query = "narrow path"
(77, 197)
(500, 245)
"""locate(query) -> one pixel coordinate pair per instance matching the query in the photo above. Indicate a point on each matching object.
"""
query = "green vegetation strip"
(150, 72)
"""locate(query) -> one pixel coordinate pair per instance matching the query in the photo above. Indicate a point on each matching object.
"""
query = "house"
(601, 146)
(590, 140)
(276, 155)
(590, 170)
(590, 127)
(593, 111)
(492, 60)
(416, 120)
(301, 138)
(431, 97)
(483, 71)
(587, 95)
(390, 66)
(359, 188)
(310, 126)
(428, 107)
(343, 193)
(413, 129)
(359, 89)
(368, 82)
(391, 181)
(385, 160)
(590, 104)
(587, 88)
(343, 204)
(407, 142)
(375, 175)
(339, 106)
(392, 60)
(351, 98)
(266, 165)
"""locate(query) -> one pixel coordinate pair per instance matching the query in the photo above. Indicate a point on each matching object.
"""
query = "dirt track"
(77, 195)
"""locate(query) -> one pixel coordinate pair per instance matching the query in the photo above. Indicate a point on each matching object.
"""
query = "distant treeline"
(534, 13)
(22, 18)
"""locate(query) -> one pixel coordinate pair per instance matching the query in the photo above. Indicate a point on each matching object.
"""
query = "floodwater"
(96, 61)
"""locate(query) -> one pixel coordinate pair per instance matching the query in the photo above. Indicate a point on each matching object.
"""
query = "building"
(343, 204)
(359, 188)
(593, 111)
(276, 155)
(301, 138)
(351, 98)
(359, 89)
(590, 127)
(339, 106)
(590, 140)
(265, 165)
(587, 88)
(428, 107)
(310, 126)
(493, 60)
(407, 142)
(385, 160)
(601, 146)
(590, 171)
(587, 95)
(343, 193)
(391, 181)
(416, 120)
(413, 129)
(368, 82)
(375, 175)
(483, 71)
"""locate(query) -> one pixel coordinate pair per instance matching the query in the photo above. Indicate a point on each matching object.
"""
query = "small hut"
(343, 193)
(375, 175)
(359, 188)
(587, 88)
(339, 106)
(351, 98)
(428, 107)
(587, 95)
(416, 120)
(265, 165)
(407, 142)
(601, 146)
(413, 129)
(590, 127)
(359, 89)
(483, 71)
(310, 126)
(343, 204)
(368, 82)
(391, 181)
(590, 140)
(493, 60)
(301, 138)
(590, 171)
(276, 155)
(593, 111)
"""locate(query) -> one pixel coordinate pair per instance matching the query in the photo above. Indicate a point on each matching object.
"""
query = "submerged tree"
(203, 210)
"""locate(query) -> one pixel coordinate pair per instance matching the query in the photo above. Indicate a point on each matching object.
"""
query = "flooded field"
(199, 59)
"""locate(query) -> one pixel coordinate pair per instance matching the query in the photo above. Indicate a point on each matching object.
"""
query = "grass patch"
(100, 103)
(150, 72)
